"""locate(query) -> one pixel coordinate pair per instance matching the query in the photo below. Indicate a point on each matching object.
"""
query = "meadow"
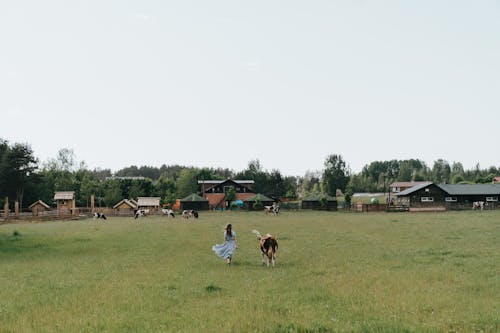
(335, 272)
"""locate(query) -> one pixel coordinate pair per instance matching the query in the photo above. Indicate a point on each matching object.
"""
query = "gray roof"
(258, 196)
(193, 197)
(215, 182)
(127, 202)
(318, 197)
(471, 189)
(148, 201)
(64, 195)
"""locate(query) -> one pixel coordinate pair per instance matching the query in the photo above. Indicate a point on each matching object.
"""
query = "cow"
(190, 213)
(141, 213)
(479, 205)
(268, 247)
(274, 209)
(98, 215)
(168, 212)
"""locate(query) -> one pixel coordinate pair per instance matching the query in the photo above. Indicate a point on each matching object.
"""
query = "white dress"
(226, 250)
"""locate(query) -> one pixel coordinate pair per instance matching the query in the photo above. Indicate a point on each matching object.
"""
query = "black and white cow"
(478, 205)
(274, 209)
(168, 212)
(141, 212)
(98, 215)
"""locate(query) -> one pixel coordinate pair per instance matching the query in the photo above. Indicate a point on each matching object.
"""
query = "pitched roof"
(407, 184)
(413, 189)
(64, 195)
(193, 197)
(317, 197)
(258, 196)
(39, 202)
(215, 183)
(471, 189)
(148, 201)
(127, 202)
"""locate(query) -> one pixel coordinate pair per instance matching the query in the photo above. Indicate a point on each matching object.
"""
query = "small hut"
(151, 203)
(249, 202)
(194, 201)
(125, 207)
(65, 201)
(319, 201)
(38, 207)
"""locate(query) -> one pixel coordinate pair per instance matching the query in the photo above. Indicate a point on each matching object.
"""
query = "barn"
(194, 201)
(65, 201)
(319, 201)
(38, 207)
(249, 202)
(430, 196)
(215, 191)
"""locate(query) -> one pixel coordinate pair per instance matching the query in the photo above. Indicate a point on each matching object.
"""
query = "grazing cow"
(195, 213)
(478, 205)
(141, 213)
(186, 214)
(268, 247)
(274, 209)
(98, 215)
(168, 212)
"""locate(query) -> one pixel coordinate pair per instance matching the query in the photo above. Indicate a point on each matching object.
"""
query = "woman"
(225, 250)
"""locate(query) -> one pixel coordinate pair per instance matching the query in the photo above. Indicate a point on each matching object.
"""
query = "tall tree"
(335, 175)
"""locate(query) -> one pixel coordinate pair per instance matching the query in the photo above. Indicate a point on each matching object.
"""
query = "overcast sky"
(220, 83)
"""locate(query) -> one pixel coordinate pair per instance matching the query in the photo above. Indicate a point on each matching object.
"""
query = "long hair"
(229, 230)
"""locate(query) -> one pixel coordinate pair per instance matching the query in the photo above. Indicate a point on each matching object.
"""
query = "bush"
(258, 205)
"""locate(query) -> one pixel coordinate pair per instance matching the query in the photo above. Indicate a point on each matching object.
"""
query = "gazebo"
(194, 201)
(65, 201)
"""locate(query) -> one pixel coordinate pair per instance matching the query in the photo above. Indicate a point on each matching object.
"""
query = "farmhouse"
(151, 203)
(430, 196)
(65, 201)
(397, 187)
(38, 207)
(215, 190)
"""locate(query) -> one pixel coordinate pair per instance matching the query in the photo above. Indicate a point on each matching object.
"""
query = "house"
(65, 201)
(319, 201)
(194, 201)
(39, 207)
(432, 196)
(397, 187)
(215, 191)
(151, 203)
(125, 207)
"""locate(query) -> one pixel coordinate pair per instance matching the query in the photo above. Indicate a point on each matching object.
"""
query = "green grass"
(335, 272)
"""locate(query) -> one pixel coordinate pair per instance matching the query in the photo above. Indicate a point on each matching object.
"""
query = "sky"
(221, 83)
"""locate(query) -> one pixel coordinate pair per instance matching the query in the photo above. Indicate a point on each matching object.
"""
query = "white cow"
(168, 212)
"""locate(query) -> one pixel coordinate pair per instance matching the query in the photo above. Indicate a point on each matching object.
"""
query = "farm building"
(319, 201)
(249, 202)
(65, 201)
(430, 196)
(151, 203)
(125, 206)
(215, 191)
(194, 201)
(39, 207)
(397, 187)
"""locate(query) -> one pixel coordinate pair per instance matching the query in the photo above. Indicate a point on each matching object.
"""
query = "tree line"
(25, 179)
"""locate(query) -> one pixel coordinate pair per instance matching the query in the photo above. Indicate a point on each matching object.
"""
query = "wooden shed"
(125, 206)
(39, 207)
(194, 201)
(65, 201)
(249, 202)
(319, 201)
(151, 203)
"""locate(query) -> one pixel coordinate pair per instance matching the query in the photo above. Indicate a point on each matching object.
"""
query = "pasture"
(335, 272)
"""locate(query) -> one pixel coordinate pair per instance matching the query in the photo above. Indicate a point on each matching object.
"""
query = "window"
(427, 199)
(450, 199)
(490, 199)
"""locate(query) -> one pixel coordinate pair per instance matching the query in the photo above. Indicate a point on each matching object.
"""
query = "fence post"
(6, 208)
(16, 209)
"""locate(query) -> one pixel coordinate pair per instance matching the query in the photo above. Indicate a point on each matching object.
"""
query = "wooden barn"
(194, 201)
(125, 207)
(65, 201)
(39, 207)
(430, 196)
(319, 201)
(215, 191)
(248, 203)
(151, 203)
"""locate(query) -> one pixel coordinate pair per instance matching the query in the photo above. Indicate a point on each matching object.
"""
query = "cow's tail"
(257, 233)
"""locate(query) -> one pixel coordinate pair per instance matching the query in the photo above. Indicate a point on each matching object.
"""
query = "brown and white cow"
(268, 247)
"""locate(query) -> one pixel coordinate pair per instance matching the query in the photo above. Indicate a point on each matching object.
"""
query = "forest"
(25, 179)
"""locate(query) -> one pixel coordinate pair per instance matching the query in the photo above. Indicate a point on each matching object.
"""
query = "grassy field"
(335, 272)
